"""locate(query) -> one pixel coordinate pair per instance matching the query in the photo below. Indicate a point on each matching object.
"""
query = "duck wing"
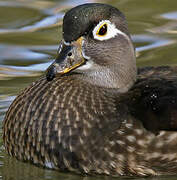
(154, 98)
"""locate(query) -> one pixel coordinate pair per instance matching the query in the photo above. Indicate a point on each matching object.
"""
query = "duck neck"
(120, 76)
(110, 77)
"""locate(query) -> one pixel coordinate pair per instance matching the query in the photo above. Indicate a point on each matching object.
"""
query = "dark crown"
(81, 19)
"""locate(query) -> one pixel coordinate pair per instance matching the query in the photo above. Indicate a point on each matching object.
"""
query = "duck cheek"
(88, 50)
(96, 52)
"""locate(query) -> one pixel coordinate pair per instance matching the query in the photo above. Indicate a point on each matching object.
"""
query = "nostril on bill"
(70, 54)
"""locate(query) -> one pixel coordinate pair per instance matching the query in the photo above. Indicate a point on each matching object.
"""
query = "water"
(30, 32)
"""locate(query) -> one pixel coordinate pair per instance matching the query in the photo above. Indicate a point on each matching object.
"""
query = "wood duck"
(94, 112)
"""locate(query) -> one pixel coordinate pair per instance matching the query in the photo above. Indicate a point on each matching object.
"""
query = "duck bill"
(69, 58)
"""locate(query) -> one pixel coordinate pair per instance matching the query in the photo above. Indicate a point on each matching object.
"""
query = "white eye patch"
(106, 30)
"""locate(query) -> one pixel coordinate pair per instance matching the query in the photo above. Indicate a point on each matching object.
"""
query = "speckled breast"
(60, 124)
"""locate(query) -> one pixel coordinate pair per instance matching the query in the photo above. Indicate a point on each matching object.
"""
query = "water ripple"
(20, 53)
(170, 15)
(153, 42)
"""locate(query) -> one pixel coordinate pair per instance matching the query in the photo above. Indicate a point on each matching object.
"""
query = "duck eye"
(102, 30)
(105, 30)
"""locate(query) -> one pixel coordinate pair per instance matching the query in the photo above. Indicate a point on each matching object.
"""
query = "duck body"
(106, 134)
(92, 113)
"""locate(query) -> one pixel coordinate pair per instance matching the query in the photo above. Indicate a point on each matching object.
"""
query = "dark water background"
(30, 31)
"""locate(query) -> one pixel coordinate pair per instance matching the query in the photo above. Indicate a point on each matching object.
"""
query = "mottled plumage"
(94, 118)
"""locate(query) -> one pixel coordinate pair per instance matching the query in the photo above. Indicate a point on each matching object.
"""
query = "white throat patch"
(86, 66)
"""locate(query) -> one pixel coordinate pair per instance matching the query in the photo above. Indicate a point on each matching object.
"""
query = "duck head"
(97, 45)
